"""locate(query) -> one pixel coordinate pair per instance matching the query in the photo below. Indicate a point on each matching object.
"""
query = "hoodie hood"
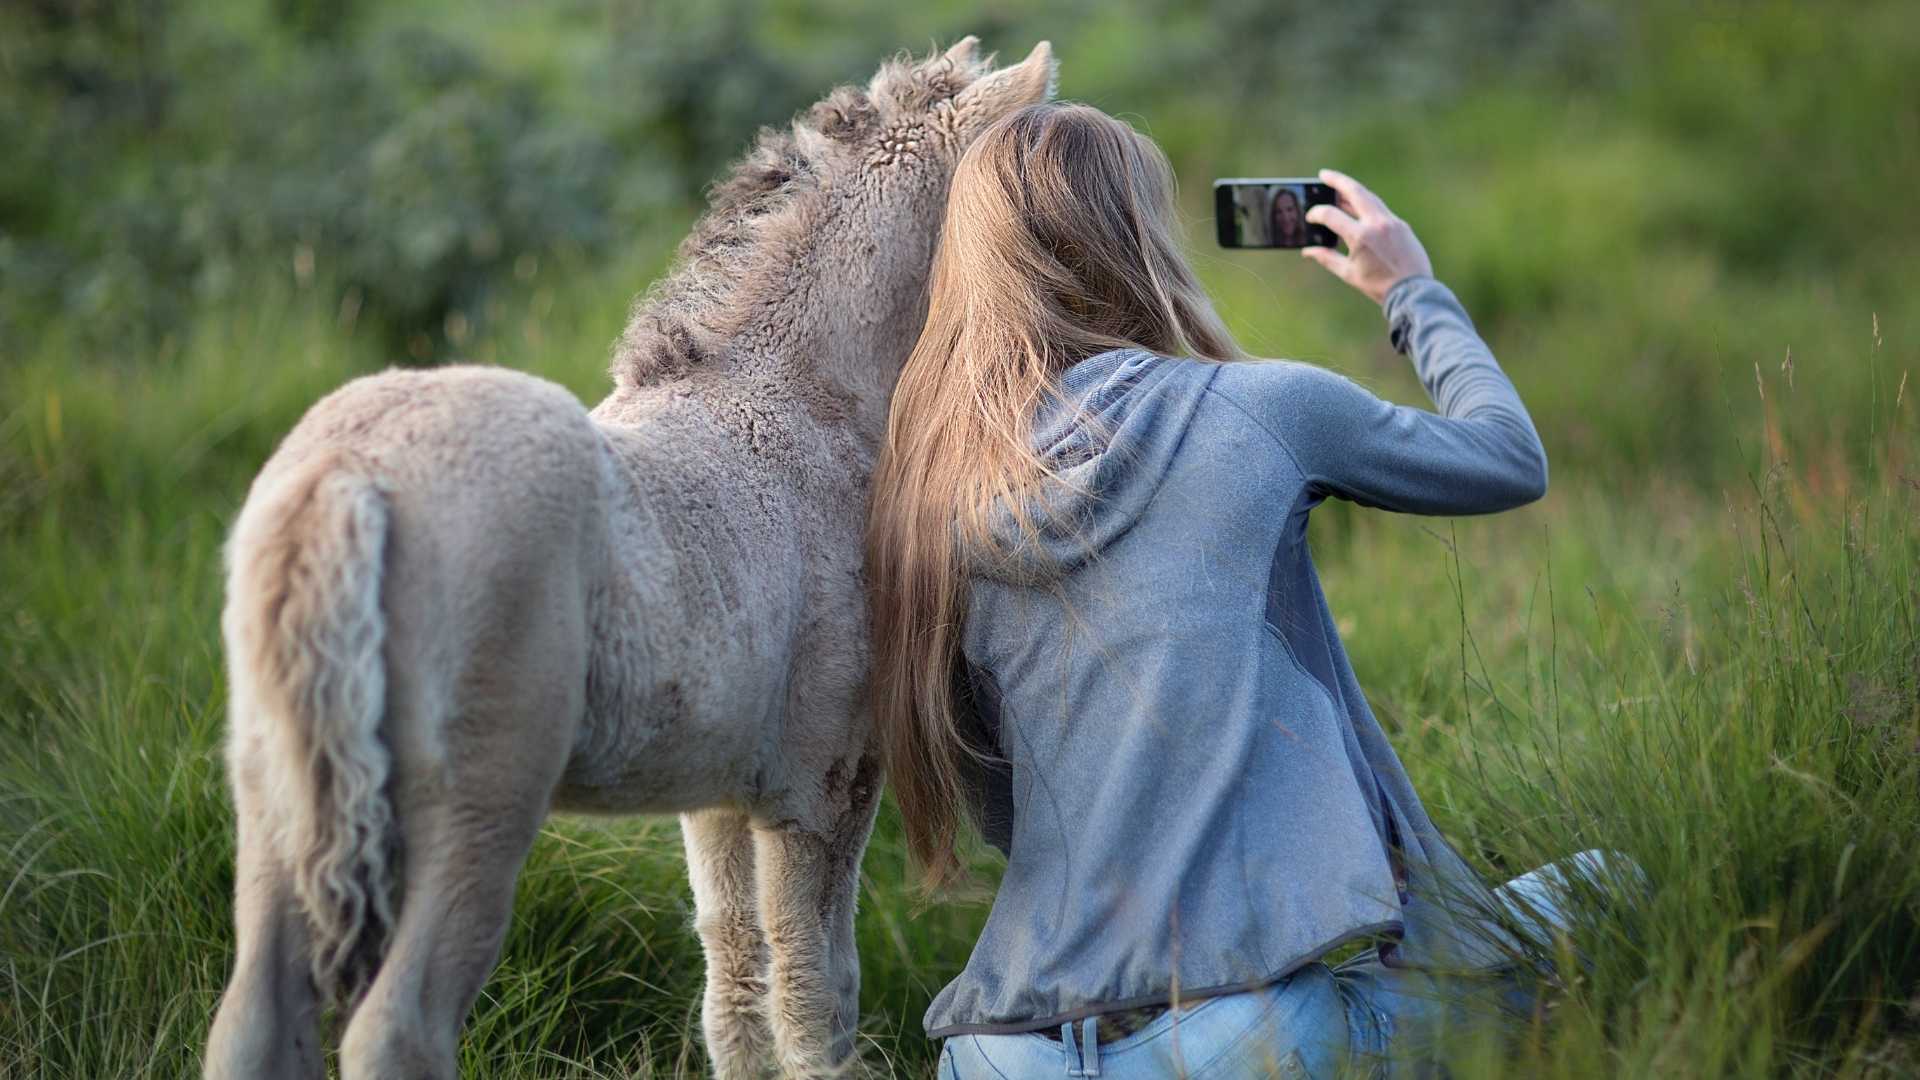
(1144, 402)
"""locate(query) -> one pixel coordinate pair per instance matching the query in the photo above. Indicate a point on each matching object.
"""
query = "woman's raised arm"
(1479, 454)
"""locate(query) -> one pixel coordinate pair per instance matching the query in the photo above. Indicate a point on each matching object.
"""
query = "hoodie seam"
(1313, 481)
(1394, 928)
(1180, 442)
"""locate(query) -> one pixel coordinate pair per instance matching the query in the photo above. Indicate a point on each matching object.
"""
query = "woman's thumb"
(1335, 263)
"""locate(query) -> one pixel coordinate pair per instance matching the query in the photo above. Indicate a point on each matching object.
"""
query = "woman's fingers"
(1335, 263)
(1343, 224)
(1381, 249)
(1354, 192)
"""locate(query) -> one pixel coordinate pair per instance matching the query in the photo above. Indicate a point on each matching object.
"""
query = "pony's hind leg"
(461, 852)
(482, 712)
(268, 1023)
(809, 884)
(470, 788)
(720, 863)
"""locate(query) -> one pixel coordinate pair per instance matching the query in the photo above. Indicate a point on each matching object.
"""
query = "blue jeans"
(1309, 1025)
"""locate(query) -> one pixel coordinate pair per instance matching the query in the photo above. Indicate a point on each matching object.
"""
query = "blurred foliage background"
(1663, 193)
(1688, 230)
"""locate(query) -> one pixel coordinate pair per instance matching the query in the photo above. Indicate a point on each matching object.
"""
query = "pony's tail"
(305, 638)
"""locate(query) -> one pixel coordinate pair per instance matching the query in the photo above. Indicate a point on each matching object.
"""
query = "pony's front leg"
(809, 883)
(733, 1018)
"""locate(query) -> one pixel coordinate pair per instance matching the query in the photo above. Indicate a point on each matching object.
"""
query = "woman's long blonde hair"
(1061, 241)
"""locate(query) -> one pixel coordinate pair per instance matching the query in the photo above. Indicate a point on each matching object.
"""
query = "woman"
(1288, 227)
(1099, 636)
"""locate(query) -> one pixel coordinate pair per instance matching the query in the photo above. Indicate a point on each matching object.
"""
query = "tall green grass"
(1721, 681)
(1690, 251)
(1755, 745)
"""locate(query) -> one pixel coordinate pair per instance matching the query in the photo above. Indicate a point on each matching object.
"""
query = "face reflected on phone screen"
(1271, 213)
(1287, 215)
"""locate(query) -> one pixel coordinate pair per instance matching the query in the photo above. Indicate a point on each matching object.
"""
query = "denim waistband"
(1296, 1027)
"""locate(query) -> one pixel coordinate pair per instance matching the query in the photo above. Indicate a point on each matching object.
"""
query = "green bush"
(400, 166)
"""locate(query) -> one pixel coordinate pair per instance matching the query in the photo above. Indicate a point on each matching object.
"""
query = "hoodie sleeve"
(1477, 455)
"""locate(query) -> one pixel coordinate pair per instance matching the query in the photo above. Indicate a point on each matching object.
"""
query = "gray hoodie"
(1195, 798)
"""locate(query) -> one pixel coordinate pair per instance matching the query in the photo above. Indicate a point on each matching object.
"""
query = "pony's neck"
(836, 352)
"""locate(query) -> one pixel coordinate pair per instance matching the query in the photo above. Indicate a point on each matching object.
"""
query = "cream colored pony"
(458, 600)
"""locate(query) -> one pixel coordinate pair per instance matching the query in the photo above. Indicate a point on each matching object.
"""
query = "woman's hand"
(1381, 249)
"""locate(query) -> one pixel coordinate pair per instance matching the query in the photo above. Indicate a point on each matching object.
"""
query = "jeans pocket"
(1303, 1035)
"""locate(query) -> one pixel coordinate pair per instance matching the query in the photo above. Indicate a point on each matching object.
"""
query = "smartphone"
(1271, 212)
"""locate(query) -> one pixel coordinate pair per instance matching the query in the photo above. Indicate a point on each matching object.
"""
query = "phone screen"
(1271, 212)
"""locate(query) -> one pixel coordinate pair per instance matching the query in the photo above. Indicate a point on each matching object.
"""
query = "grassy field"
(1702, 648)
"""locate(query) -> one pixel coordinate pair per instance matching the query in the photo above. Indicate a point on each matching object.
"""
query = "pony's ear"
(961, 55)
(1026, 83)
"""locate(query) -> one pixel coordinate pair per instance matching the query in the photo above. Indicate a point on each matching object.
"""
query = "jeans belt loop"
(1083, 1059)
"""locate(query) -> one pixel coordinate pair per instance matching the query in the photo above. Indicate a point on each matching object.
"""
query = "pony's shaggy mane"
(736, 260)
